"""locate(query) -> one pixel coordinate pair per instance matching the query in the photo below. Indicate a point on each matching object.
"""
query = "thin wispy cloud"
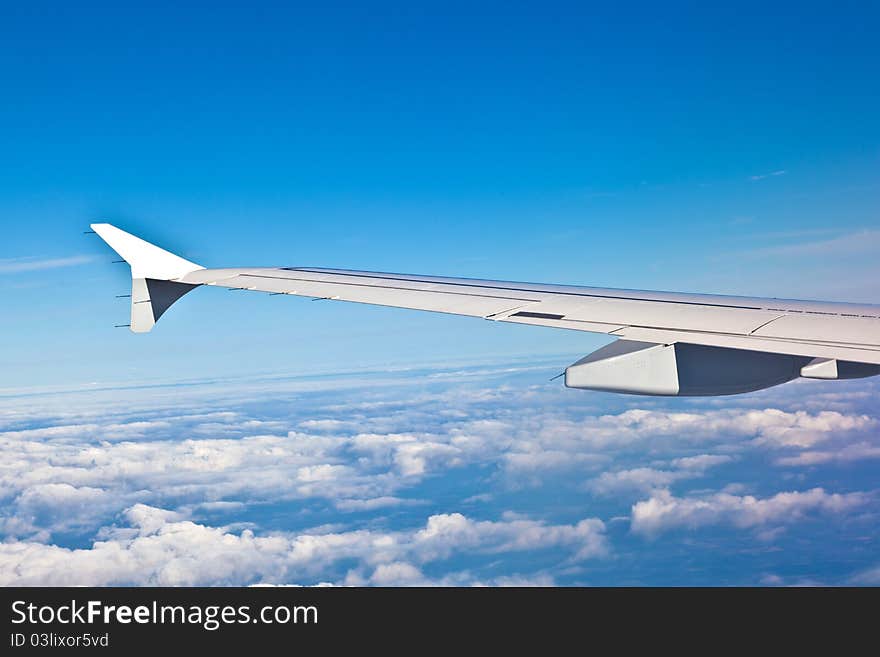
(853, 243)
(762, 176)
(34, 263)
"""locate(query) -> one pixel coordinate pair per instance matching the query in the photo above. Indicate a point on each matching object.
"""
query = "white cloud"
(636, 479)
(646, 479)
(397, 574)
(374, 503)
(861, 451)
(769, 427)
(415, 458)
(663, 511)
(445, 533)
(328, 425)
(701, 462)
(158, 547)
(863, 242)
(542, 579)
(541, 461)
(772, 174)
(405, 574)
(59, 507)
(868, 577)
(776, 428)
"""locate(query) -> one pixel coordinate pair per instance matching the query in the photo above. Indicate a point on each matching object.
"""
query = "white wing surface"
(808, 338)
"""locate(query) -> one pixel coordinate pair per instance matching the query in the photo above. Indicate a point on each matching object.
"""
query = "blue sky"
(683, 147)
(629, 147)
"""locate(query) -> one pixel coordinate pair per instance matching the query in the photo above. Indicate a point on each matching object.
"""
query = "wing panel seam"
(519, 289)
(391, 287)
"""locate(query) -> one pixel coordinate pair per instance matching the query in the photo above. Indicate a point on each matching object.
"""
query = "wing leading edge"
(802, 334)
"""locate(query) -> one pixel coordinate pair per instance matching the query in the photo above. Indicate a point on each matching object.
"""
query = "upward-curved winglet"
(153, 275)
(146, 260)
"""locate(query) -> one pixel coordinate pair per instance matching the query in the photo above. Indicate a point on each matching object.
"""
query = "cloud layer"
(475, 476)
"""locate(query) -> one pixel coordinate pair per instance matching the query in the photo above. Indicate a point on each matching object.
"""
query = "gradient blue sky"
(256, 439)
(630, 147)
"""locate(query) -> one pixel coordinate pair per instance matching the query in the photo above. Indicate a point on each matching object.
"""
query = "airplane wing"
(669, 343)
